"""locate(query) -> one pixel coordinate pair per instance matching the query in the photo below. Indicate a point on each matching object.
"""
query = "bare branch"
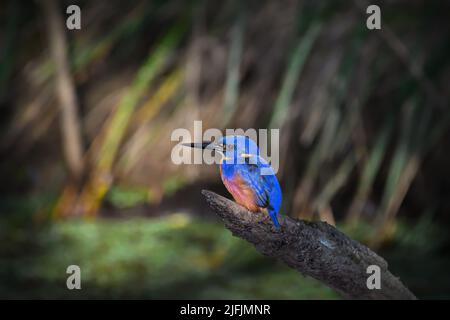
(315, 249)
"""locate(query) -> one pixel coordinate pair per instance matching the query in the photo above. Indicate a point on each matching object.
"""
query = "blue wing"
(266, 188)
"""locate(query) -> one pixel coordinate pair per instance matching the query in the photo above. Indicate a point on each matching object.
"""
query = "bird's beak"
(203, 145)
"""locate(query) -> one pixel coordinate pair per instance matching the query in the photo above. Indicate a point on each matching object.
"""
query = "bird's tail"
(273, 216)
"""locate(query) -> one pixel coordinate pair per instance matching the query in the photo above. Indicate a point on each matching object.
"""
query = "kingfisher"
(247, 176)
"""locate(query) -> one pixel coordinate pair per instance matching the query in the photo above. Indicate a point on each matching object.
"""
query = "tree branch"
(315, 249)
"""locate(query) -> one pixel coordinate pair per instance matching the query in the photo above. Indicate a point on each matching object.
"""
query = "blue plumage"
(246, 175)
(241, 172)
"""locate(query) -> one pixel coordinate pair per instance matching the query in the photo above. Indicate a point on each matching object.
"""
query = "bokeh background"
(87, 116)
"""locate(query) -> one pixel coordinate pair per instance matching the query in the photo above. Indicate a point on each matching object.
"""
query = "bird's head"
(234, 149)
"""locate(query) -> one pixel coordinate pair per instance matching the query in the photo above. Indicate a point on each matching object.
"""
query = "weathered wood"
(315, 249)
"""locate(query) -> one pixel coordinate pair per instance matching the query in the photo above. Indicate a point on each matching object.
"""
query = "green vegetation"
(170, 257)
(362, 115)
(178, 256)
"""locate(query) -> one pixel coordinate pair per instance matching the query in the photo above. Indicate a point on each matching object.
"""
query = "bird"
(246, 175)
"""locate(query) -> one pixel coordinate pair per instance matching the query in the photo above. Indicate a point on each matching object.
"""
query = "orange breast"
(241, 193)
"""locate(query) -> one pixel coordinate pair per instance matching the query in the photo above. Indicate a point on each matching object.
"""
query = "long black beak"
(201, 145)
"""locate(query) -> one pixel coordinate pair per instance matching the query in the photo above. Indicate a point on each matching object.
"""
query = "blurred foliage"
(171, 257)
(361, 114)
(177, 256)
(364, 128)
(125, 197)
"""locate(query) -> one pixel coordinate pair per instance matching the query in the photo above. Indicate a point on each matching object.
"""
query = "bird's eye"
(229, 147)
